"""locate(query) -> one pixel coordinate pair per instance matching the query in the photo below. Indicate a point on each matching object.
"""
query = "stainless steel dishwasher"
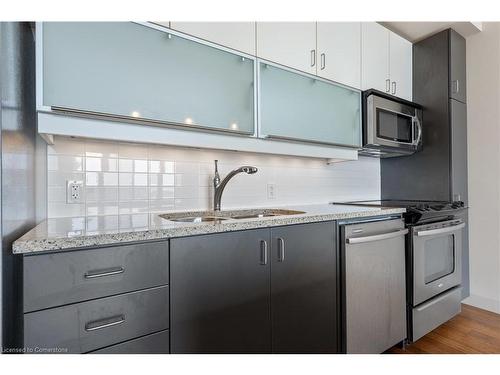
(373, 285)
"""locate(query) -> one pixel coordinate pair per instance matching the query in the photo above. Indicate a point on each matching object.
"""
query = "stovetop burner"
(417, 211)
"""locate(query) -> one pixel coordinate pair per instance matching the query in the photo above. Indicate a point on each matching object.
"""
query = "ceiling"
(415, 31)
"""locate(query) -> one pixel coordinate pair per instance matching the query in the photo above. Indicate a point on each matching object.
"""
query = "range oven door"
(437, 258)
(392, 125)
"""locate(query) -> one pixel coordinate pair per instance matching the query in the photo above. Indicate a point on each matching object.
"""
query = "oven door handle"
(418, 125)
(433, 232)
(377, 237)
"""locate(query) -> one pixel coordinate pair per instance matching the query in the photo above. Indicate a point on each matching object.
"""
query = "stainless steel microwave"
(391, 126)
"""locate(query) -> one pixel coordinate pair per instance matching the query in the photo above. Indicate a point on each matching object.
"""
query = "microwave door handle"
(418, 125)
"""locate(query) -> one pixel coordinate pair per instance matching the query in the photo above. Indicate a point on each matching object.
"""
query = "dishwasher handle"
(377, 237)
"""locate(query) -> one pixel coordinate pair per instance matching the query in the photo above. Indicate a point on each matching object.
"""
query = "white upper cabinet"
(339, 51)
(400, 66)
(386, 61)
(236, 35)
(289, 43)
(374, 57)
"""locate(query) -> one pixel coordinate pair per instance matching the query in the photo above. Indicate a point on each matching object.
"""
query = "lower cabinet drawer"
(157, 343)
(52, 280)
(86, 326)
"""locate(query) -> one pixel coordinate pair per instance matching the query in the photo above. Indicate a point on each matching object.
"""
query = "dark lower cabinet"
(255, 291)
(303, 288)
(156, 343)
(220, 300)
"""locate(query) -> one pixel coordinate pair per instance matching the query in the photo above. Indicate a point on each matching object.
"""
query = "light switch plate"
(74, 191)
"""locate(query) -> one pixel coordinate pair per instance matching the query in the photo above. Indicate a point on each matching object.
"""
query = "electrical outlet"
(271, 191)
(74, 192)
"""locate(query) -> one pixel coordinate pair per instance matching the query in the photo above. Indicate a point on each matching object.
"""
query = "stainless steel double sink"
(219, 216)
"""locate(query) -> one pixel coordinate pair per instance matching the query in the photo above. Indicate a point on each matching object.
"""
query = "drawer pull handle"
(105, 272)
(104, 323)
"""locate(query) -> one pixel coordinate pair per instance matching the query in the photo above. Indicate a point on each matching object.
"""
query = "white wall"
(133, 179)
(483, 101)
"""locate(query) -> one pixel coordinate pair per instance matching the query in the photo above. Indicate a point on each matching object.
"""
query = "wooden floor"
(473, 331)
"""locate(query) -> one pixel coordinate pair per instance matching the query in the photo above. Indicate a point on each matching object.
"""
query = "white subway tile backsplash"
(187, 167)
(134, 221)
(161, 166)
(96, 194)
(67, 146)
(131, 207)
(58, 178)
(133, 165)
(56, 194)
(133, 193)
(162, 153)
(102, 208)
(132, 151)
(182, 204)
(186, 192)
(161, 179)
(162, 205)
(133, 179)
(101, 164)
(186, 180)
(123, 181)
(109, 222)
(161, 192)
(64, 163)
(101, 149)
(101, 179)
(70, 226)
(57, 209)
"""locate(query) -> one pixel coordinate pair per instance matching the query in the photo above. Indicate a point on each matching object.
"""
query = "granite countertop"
(70, 233)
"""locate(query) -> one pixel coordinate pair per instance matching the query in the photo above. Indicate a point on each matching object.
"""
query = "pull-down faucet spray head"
(220, 185)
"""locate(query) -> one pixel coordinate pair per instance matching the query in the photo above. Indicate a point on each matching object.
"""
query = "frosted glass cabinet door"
(301, 107)
(127, 69)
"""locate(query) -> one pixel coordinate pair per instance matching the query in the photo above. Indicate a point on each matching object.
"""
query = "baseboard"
(485, 303)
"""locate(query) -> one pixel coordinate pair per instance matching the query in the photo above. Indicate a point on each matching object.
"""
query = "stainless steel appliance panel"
(437, 258)
(391, 126)
(375, 306)
(435, 312)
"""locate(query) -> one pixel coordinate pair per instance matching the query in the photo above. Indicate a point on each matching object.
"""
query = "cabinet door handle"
(281, 249)
(323, 61)
(104, 272)
(313, 57)
(456, 86)
(104, 323)
(263, 252)
(387, 85)
(394, 88)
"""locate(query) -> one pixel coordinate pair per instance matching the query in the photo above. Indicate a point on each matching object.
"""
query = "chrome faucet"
(220, 185)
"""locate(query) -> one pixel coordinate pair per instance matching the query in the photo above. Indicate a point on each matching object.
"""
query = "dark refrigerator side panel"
(457, 84)
(426, 174)
(459, 189)
(18, 135)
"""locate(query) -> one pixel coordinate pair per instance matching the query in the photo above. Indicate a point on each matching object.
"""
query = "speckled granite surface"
(68, 233)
